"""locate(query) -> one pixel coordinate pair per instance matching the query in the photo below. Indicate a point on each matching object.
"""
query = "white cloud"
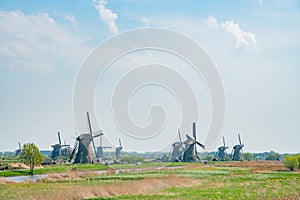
(70, 18)
(36, 42)
(106, 15)
(146, 22)
(48, 18)
(243, 38)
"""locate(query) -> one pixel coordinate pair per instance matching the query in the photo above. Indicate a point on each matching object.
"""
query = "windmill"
(66, 150)
(238, 150)
(100, 149)
(118, 150)
(57, 148)
(177, 150)
(18, 151)
(221, 153)
(190, 147)
(84, 146)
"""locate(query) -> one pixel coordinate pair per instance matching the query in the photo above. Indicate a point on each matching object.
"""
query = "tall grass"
(144, 186)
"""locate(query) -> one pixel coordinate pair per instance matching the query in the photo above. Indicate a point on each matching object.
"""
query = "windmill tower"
(84, 146)
(177, 150)
(100, 150)
(57, 148)
(118, 150)
(221, 154)
(238, 150)
(18, 151)
(66, 150)
(190, 147)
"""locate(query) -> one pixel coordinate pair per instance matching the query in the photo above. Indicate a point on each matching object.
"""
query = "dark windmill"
(18, 151)
(57, 148)
(221, 153)
(118, 150)
(100, 150)
(176, 151)
(84, 146)
(238, 150)
(66, 150)
(190, 147)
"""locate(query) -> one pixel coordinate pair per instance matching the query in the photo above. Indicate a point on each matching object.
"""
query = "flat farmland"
(220, 180)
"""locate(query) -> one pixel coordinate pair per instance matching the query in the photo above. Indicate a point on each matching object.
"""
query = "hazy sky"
(254, 44)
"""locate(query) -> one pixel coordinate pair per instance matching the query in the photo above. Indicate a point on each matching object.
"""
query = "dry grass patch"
(5, 181)
(196, 166)
(70, 175)
(257, 166)
(22, 166)
(145, 186)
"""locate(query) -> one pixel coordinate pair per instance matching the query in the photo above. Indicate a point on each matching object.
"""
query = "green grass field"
(53, 169)
(232, 180)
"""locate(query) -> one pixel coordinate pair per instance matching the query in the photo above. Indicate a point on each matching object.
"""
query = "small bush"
(131, 159)
(297, 156)
(291, 162)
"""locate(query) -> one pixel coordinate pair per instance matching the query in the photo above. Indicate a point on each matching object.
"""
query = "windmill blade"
(97, 135)
(73, 151)
(20, 146)
(217, 153)
(201, 145)
(224, 142)
(231, 152)
(120, 142)
(189, 137)
(59, 140)
(179, 137)
(91, 131)
(240, 139)
(89, 123)
(195, 138)
(194, 130)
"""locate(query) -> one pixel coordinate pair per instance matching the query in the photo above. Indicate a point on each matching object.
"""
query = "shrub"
(297, 156)
(291, 162)
(248, 156)
(131, 159)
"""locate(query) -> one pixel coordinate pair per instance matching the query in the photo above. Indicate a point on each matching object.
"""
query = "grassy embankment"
(232, 180)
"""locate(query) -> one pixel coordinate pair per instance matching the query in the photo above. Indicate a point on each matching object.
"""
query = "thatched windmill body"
(238, 150)
(221, 154)
(190, 147)
(57, 148)
(84, 147)
(118, 150)
(176, 151)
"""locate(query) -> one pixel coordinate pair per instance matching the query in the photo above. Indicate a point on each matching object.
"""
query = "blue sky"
(255, 45)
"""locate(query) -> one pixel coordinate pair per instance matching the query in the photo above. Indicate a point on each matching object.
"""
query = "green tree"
(248, 156)
(297, 156)
(273, 156)
(291, 162)
(131, 159)
(31, 156)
